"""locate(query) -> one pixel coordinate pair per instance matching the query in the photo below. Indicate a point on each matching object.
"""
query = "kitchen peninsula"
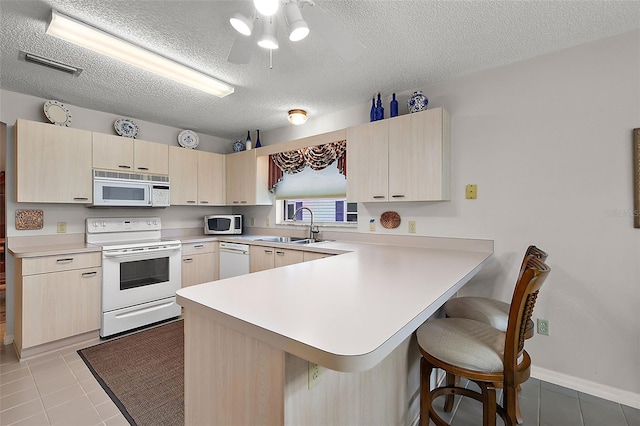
(248, 339)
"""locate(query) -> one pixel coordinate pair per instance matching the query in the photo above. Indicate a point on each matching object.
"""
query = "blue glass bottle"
(258, 144)
(379, 111)
(372, 114)
(394, 107)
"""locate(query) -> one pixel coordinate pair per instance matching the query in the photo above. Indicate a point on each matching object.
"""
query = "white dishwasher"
(234, 259)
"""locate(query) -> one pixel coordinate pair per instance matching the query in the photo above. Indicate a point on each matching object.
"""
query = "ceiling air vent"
(50, 63)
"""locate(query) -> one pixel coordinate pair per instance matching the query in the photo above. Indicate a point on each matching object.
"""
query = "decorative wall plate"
(29, 219)
(188, 139)
(126, 127)
(390, 220)
(57, 113)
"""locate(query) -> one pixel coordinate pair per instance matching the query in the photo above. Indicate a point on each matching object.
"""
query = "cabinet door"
(211, 179)
(367, 162)
(53, 164)
(286, 257)
(198, 269)
(261, 258)
(183, 176)
(59, 305)
(418, 157)
(311, 255)
(241, 177)
(150, 157)
(112, 152)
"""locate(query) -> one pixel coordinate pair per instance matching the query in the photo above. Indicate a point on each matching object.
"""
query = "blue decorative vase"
(238, 146)
(393, 107)
(258, 144)
(417, 102)
(372, 114)
(379, 112)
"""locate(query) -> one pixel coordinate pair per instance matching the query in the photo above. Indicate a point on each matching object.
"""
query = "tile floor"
(58, 389)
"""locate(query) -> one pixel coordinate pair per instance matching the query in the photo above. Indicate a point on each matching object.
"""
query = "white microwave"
(116, 189)
(223, 224)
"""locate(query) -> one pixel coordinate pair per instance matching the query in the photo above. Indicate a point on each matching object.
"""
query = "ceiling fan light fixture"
(241, 23)
(94, 39)
(297, 117)
(298, 28)
(268, 39)
(267, 7)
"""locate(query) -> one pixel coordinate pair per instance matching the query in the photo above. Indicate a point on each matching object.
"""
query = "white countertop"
(345, 312)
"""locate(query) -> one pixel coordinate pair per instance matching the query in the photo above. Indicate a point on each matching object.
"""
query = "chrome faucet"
(312, 229)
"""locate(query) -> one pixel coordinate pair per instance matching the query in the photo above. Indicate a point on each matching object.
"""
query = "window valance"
(317, 157)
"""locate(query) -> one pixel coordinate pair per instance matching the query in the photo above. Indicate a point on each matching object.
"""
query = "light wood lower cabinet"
(270, 257)
(308, 256)
(56, 297)
(199, 263)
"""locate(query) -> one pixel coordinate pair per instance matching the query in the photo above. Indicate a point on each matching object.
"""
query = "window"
(325, 210)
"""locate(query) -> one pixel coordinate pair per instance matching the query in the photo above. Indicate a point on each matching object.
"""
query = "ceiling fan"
(301, 16)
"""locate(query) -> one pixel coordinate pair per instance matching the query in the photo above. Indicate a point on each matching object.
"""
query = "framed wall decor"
(636, 178)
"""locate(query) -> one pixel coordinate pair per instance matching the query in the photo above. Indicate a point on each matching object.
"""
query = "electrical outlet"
(268, 221)
(412, 226)
(372, 225)
(253, 221)
(543, 327)
(315, 374)
(62, 227)
(472, 192)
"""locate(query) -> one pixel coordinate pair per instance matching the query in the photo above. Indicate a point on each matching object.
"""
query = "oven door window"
(144, 272)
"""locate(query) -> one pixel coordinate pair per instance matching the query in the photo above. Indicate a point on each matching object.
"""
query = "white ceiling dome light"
(297, 117)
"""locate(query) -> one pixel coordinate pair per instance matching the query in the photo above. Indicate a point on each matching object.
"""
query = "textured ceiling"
(409, 45)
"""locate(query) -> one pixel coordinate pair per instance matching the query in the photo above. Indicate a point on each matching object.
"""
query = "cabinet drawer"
(63, 262)
(197, 248)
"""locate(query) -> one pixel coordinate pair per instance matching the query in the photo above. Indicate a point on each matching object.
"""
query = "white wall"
(548, 142)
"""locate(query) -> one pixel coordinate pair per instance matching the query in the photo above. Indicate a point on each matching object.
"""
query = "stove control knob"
(104, 224)
(148, 222)
(155, 222)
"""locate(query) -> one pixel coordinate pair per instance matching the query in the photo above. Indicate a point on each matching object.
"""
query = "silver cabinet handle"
(122, 166)
(65, 260)
(199, 246)
(378, 196)
(268, 251)
(279, 253)
(190, 259)
(204, 202)
(80, 199)
(397, 196)
(191, 201)
(89, 274)
(143, 168)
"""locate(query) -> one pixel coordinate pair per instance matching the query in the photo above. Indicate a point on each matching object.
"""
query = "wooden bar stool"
(481, 353)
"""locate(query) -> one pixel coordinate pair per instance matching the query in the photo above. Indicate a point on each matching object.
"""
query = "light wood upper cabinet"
(53, 164)
(247, 178)
(113, 152)
(183, 176)
(368, 162)
(211, 179)
(196, 177)
(405, 158)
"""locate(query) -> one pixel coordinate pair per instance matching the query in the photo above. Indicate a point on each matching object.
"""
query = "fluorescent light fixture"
(298, 28)
(241, 23)
(267, 7)
(268, 39)
(91, 38)
(297, 116)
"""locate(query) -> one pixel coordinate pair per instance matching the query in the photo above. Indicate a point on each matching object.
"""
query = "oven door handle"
(122, 253)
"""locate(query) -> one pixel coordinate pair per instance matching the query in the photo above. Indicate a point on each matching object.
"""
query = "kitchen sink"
(287, 240)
